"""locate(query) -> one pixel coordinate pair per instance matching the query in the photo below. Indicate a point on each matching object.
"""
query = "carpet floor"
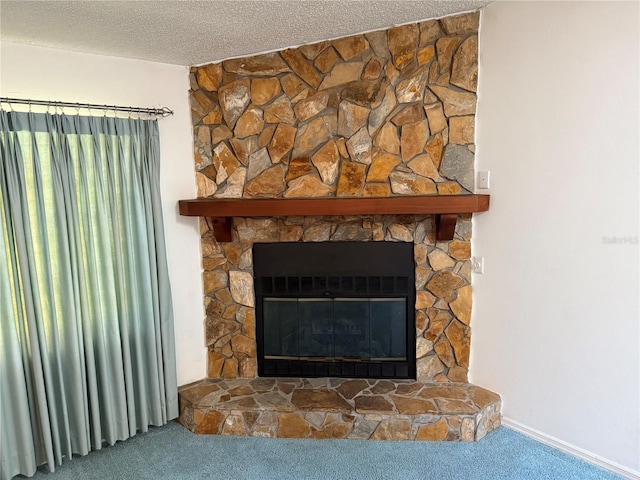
(172, 452)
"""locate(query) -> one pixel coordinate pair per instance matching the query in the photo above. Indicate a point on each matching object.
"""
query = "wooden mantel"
(445, 208)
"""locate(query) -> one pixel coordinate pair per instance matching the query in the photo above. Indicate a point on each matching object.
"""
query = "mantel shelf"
(445, 207)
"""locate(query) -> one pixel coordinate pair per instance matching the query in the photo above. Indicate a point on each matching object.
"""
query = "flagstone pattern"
(339, 408)
(386, 113)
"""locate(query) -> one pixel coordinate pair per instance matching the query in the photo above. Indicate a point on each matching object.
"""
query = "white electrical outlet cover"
(477, 264)
(483, 179)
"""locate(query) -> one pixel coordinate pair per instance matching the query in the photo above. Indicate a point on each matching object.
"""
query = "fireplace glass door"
(322, 329)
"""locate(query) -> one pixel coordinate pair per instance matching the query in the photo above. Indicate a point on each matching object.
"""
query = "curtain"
(87, 352)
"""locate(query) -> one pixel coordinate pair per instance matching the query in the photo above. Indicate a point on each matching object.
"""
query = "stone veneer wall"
(386, 113)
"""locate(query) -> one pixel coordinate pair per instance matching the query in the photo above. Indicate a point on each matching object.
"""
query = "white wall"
(556, 315)
(47, 74)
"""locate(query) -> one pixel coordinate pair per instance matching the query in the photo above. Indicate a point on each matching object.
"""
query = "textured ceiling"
(196, 32)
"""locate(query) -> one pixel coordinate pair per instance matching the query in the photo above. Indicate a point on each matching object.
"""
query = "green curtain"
(87, 352)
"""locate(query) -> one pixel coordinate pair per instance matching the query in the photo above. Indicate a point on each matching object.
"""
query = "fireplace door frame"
(388, 270)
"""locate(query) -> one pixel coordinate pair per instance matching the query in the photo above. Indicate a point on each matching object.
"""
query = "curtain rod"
(160, 112)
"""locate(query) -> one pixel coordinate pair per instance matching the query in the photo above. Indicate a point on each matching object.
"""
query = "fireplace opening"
(335, 309)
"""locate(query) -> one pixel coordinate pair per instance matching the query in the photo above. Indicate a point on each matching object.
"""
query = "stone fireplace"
(385, 114)
(442, 282)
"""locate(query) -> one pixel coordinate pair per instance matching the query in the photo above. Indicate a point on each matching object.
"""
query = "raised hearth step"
(339, 408)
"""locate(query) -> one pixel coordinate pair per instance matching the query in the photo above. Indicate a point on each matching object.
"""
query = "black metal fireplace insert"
(335, 309)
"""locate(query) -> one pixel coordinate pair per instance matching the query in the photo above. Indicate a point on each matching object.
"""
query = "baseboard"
(571, 449)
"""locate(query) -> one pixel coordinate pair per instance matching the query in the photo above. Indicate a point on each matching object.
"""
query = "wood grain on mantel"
(445, 207)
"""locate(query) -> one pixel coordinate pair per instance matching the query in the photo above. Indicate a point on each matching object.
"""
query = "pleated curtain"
(87, 352)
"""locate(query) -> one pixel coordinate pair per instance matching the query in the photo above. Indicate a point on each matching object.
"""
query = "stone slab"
(339, 408)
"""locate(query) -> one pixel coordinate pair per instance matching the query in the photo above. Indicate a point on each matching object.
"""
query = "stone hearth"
(339, 408)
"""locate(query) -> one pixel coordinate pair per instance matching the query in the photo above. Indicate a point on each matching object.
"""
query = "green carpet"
(172, 452)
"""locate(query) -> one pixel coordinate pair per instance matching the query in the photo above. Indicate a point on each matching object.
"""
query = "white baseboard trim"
(571, 449)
